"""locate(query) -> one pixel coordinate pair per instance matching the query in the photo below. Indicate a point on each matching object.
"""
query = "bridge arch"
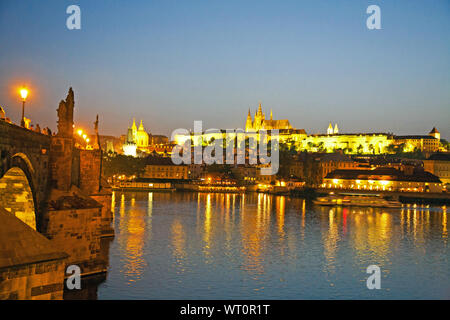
(17, 189)
(21, 160)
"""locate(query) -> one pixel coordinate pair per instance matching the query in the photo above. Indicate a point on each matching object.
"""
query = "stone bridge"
(53, 184)
(24, 172)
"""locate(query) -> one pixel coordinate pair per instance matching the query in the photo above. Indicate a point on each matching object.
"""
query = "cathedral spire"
(330, 129)
(141, 127)
(271, 115)
(249, 122)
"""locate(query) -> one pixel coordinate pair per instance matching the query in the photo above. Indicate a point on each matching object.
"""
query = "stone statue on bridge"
(96, 143)
(65, 116)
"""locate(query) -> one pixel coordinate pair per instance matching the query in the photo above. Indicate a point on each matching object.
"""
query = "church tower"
(330, 129)
(259, 118)
(129, 147)
(142, 137)
(134, 130)
(336, 129)
(249, 122)
(434, 133)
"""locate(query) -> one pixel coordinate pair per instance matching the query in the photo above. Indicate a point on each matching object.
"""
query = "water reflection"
(134, 230)
(179, 244)
(211, 245)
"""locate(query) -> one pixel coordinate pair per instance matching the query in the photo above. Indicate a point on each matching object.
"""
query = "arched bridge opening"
(16, 190)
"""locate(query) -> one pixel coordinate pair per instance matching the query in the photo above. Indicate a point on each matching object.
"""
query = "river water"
(258, 246)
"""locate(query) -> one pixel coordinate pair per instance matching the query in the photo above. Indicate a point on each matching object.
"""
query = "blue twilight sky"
(173, 62)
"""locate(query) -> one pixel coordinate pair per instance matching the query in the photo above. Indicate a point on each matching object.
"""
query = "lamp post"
(23, 94)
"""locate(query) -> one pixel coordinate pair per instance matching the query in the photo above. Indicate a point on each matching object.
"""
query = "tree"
(321, 147)
(286, 153)
(391, 148)
(121, 164)
(348, 150)
(445, 144)
(360, 149)
(311, 171)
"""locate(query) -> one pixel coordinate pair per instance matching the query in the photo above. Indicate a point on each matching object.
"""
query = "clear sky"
(173, 62)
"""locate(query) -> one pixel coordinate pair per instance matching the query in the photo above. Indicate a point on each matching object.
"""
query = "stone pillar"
(90, 171)
(61, 149)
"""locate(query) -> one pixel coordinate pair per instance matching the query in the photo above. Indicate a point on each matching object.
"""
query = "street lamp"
(23, 94)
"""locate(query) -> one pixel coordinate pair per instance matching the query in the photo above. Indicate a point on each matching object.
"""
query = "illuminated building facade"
(419, 143)
(286, 133)
(129, 147)
(439, 165)
(163, 168)
(260, 122)
(140, 136)
(332, 141)
(435, 134)
(383, 179)
(351, 143)
(144, 142)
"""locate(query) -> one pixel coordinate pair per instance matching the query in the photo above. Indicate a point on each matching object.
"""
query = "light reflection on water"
(259, 246)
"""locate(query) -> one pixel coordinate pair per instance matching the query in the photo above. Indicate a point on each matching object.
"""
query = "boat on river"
(356, 200)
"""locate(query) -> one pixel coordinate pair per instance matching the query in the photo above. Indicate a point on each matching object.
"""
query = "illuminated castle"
(331, 141)
(260, 122)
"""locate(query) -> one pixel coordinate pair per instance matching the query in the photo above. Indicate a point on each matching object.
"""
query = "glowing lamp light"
(335, 181)
(80, 132)
(23, 93)
(87, 140)
(84, 136)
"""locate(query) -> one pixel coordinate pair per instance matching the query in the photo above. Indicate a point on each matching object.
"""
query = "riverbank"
(304, 193)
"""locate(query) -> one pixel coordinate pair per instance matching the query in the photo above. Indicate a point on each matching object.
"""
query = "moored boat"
(357, 201)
